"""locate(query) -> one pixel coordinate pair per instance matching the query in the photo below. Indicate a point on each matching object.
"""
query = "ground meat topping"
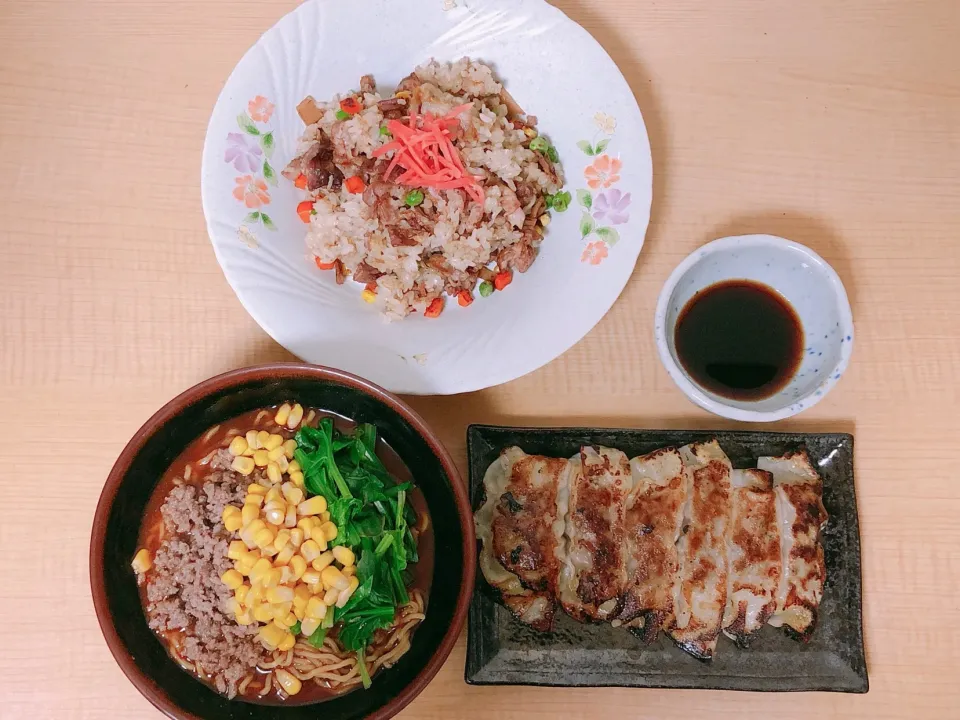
(185, 598)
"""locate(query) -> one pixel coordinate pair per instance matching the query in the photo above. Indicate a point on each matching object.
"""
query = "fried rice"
(409, 255)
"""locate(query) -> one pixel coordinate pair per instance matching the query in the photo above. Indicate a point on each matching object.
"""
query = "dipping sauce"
(739, 339)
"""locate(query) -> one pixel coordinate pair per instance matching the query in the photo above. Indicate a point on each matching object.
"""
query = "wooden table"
(836, 124)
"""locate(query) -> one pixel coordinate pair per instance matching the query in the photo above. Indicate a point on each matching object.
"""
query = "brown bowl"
(145, 458)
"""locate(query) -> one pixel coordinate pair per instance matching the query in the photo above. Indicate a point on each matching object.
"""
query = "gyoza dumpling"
(521, 527)
(702, 590)
(594, 572)
(652, 526)
(753, 554)
(800, 516)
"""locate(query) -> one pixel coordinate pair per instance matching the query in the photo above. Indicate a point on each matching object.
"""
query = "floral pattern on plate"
(249, 152)
(604, 205)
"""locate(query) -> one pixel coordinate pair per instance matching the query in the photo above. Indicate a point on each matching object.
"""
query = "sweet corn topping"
(243, 465)
(283, 412)
(344, 555)
(290, 521)
(248, 514)
(296, 415)
(296, 537)
(287, 644)
(232, 519)
(236, 550)
(142, 562)
(324, 560)
(275, 516)
(333, 578)
(284, 556)
(313, 506)
(238, 446)
(292, 494)
(283, 572)
(310, 550)
(264, 538)
(319, 539)
(273, 472)
(330, 598)
(232, 579)
(280, 594)
(316, 608)
(309, 626)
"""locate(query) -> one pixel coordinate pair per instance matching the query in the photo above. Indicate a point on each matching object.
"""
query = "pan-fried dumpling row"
(674, 540)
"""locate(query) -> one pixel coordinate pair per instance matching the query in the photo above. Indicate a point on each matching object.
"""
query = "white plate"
(551, 66)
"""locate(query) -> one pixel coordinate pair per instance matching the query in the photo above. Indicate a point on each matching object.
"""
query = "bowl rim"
(698, 395)
(147, 686)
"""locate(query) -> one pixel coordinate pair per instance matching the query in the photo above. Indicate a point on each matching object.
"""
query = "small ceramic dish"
(809, 285)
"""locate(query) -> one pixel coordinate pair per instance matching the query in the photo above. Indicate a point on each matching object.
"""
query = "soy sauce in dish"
(739, 339)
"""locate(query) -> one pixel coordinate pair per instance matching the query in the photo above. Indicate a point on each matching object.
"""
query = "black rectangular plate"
(503, 651)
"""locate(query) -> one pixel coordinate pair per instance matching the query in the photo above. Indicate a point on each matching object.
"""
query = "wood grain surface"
(836, 124)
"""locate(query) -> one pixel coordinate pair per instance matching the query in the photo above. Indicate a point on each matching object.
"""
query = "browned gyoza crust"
(753, 552)
(652, 525)
(523, 542)
(594, 573)
(801, 518)
(520, 525)
(703, 565)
